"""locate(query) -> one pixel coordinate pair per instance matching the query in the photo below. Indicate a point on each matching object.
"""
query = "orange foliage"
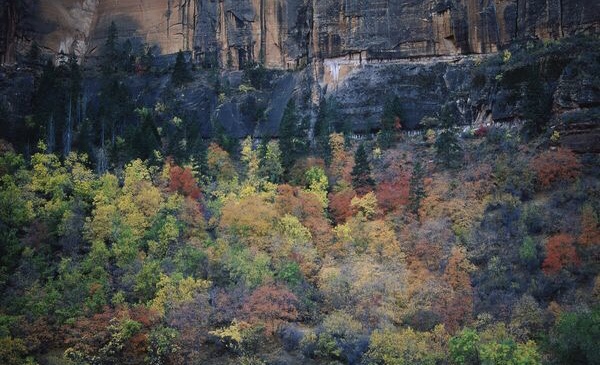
(458, 306)
(560, 253)
(340, 207)
(298, 171)
(182, 181)
(590, 234)
(90, 335)
(392, 195)
(271, 305)
(552, 166)
(308, 209)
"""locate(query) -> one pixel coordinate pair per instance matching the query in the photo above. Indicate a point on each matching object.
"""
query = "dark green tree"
(417, 191)
(391, 121)
(181, 74)
(447, 146)
(291, 140)
(537, 105)
(575, 337)
(110, 52)
(325, 125)
(362, 181)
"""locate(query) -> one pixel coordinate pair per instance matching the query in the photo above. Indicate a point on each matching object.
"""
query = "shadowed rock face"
(285, 34)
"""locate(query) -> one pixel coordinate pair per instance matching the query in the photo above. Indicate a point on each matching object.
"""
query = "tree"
(575, 337)
(181, 74)
(361, 173)
(340, 205)
(317, 184)
(271, 305)
(110, 53)
(537, 104)
(463, 347)
(560, 253)
(181, 180)
(270, 167)
(391, 121)
(393, 195)
(407, 346)
(554, 166)
(590, 233)
(417, 190)
(291, 139)
(447, 145)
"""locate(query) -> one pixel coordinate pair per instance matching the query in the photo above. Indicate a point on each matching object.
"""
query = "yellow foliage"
(251, 220)
(176, 290)
(367, 205)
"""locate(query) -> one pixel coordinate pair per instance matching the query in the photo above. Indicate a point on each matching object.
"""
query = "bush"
(576, 335)
(554, 166)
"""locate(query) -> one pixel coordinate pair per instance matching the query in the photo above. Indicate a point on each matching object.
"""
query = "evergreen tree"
(110, 62)
(362, 181)
(417, 191)
(324, 127)
(181, 74)
(447, 145)
(270, 167)
(537, 105)
(290, 136)
(390, 121)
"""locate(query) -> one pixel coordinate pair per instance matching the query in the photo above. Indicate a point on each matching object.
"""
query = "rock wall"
(286, 34)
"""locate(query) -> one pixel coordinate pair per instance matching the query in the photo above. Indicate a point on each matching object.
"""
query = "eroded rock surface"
(286, 34)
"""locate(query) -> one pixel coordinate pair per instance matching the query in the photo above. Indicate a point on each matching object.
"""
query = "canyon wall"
(285, 34)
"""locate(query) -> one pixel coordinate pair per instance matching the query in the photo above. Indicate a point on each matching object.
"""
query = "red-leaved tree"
(559, 165)
(560, 253)
(182, 180)
(271, 305)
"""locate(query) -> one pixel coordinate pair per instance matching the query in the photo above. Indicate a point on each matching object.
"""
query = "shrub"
(553, 166)
(576, 337)
(560, 253)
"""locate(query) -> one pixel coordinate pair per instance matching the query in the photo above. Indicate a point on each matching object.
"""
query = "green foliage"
(271, 168)
(447, 145)
(403, 347)
(362, 180)
(576, 335)
(181, 74)
(391, 122)
(161, 344)
(463, 347)
(417, 191)
(317, 184)
(528, 250)
(292, 139)
(12, 351)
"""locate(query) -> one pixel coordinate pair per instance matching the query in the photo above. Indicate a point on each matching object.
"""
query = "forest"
(127, 238)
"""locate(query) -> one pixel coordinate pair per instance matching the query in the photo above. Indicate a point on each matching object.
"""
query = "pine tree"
(390, 121)
(536, 106)
(110, 61)
(361, 173)
(447, 146)
(417, 192)
(290, 136)
(181, 75)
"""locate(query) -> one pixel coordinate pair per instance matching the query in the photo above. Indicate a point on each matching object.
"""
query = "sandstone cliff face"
(286, 34)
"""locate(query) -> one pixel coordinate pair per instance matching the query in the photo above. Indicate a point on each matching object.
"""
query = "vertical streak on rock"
(222, 36)
(315, 70)
(10, 33)
(560, 24)
(516, 35)
(168, 16)
(263, 34)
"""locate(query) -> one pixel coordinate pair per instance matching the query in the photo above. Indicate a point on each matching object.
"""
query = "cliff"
(286, 34)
